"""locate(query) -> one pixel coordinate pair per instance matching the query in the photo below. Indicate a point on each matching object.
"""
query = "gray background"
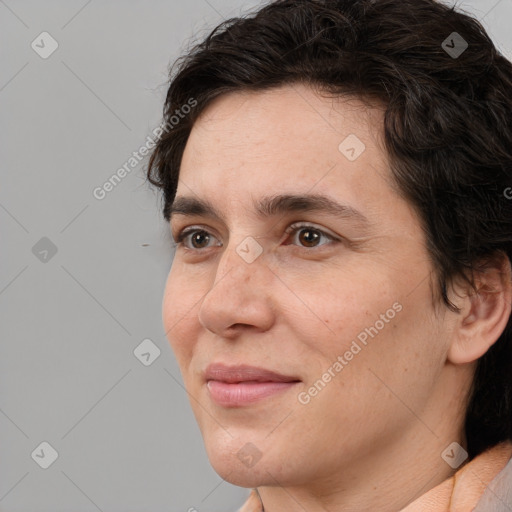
(124, 432)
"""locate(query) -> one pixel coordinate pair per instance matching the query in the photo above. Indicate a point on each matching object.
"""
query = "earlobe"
(484, 314)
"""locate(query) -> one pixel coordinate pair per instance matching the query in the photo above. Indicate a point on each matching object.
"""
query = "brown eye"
(195, 239)
(309, 237)
(200, 239)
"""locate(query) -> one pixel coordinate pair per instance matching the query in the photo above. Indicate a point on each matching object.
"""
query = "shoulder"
(498, 494)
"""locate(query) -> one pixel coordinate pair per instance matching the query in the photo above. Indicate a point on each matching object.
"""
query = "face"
(296, 326)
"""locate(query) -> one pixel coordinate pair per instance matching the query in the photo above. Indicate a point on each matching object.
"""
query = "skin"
(372, 438)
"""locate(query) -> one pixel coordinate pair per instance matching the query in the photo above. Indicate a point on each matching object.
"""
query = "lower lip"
(244, 393)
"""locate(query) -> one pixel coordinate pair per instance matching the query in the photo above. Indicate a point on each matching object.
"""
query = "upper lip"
(244, 373)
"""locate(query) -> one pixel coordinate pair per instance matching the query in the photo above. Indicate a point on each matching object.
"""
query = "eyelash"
(296, 227)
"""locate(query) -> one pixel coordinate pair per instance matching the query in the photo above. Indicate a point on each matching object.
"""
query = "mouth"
(237, 386)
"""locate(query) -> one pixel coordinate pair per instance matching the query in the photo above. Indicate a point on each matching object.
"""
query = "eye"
(307, 236)
(194, 239)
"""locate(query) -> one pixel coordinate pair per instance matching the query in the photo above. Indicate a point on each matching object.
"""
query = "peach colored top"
(485, 483)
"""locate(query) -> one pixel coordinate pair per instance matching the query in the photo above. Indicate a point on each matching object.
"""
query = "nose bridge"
(239, 261)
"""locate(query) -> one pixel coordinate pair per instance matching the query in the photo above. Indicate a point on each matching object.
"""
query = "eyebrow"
(272, 206)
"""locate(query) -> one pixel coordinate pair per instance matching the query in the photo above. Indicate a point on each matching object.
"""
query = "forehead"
(288, 139)
(293, 109)
(248, 147)
(287, 123)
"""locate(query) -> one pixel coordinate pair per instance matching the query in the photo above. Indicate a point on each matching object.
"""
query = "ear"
(485, 313)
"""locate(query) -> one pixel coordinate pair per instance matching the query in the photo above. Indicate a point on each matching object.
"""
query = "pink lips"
(235, 386)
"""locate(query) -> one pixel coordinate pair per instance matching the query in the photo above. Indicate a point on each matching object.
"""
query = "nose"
(239, 298)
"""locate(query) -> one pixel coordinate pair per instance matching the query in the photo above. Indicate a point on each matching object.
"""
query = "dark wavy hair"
(447, 129)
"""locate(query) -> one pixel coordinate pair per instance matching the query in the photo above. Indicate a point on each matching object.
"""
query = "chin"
(242, 477)
(242, 460)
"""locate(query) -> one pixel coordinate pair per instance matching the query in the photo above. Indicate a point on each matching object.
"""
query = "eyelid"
(185, 232)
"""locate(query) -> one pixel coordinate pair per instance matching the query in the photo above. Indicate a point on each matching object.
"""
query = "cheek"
(331, 307)
(369, 319)
(179, 310)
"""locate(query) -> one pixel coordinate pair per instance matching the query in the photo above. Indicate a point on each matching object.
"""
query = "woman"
(335, 176)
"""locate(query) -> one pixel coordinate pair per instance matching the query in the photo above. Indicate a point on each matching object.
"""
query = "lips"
(244, 373)
(236, 386)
